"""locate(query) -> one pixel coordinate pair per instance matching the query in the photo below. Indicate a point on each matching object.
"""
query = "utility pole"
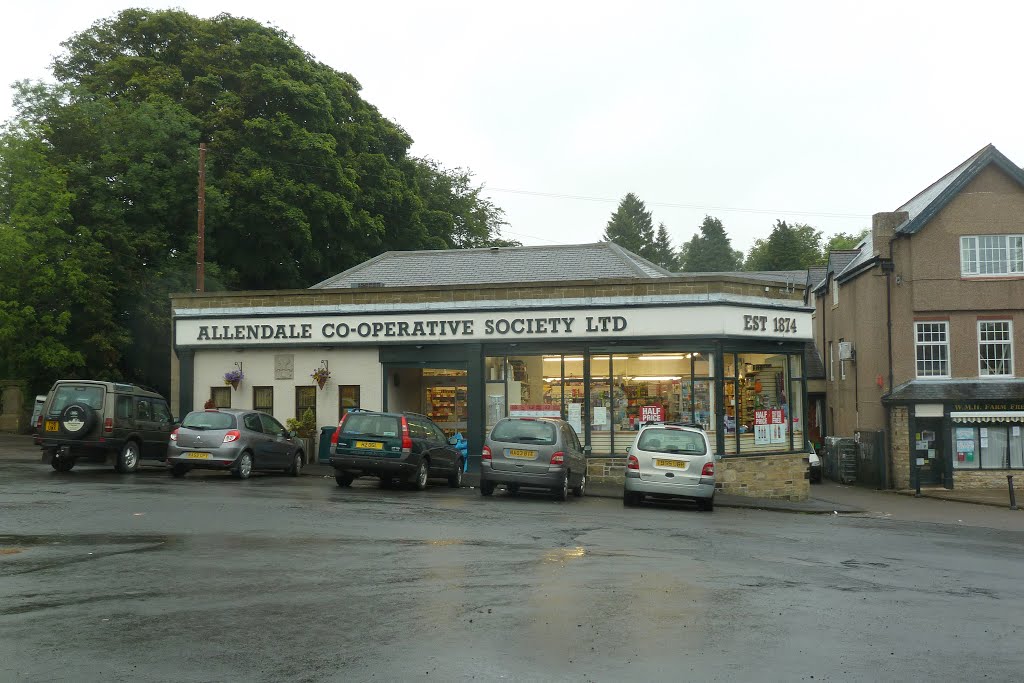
(201, 247)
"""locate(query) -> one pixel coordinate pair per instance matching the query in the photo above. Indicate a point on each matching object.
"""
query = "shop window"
(446, 398)
(263, 399)
(932, 349)
(601, 410)
(759, 415)
(995, 348)
(348, 398)
(221, 397)
(305, 399)
(989, 447)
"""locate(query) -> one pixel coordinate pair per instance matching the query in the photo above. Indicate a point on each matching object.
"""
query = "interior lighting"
(655, 379)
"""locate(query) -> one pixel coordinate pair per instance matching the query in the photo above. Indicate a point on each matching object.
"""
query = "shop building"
(920, 326)
(590, 333)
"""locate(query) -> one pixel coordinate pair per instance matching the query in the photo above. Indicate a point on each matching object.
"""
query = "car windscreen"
(672, 441)
(369, 424)
(525, 431)
(208, 419)
(89, 395)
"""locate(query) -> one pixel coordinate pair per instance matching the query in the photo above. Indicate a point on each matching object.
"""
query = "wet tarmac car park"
(143, 577)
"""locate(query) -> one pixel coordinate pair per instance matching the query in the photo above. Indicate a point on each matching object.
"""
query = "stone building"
(918, 328)
(591, 333)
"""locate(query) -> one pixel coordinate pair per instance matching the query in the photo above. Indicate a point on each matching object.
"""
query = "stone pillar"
(13, 416)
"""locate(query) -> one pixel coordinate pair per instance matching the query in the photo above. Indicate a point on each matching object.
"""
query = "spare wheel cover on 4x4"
(77, 420)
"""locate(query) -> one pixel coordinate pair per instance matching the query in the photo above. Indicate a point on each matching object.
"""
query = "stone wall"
(606, 470)
(692, 284)
(767, 476)
(900, 443)
(986, 479)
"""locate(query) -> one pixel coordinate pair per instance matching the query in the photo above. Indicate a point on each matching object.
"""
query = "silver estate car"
(534, 452)
(670, 461)
(237, 440)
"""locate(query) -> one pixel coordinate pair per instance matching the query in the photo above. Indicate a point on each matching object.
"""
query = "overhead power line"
(777, 212)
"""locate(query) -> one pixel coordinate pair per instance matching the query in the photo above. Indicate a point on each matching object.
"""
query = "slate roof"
(866, 252)
(923, 206)
(431, 268)
(838, 259)
(816, 275)
(814, 367)
(958, 390)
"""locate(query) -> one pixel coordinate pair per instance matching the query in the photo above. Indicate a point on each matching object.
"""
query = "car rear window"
(368, 424)
(208, 419)
(672, 441)
(525, 431)
(90, 395)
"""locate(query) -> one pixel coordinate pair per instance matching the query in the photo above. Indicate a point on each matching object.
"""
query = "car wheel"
(455, 478)
(343, 479)
(420, 480)
(296, 467)
(179, 471)
(582, 488)
(630, 498)
(128, 459)
(512, 489)
(62, 464)
(244, 468)
(706, 504)
(486, 488)
(562, 492)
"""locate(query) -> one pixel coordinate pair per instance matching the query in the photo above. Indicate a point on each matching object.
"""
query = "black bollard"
(1013, 498)
(917, 471)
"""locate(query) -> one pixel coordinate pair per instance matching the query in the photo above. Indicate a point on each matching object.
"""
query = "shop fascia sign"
(536, 325)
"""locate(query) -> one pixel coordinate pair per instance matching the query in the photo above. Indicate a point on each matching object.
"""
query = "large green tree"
(632, 227)
(98, 177)
(710, 251)
(788, 247)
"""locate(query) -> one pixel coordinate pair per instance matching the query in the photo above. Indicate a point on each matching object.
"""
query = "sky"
(809, 112)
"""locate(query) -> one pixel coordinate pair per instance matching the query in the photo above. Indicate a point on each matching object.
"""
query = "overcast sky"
(751, 111)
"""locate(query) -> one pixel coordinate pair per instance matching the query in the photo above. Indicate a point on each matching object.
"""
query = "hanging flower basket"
(320, 376)
(233, 378)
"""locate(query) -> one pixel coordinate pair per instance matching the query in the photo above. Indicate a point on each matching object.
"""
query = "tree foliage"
(632, 227)
(710, 251)
(843, 240)
(98, 187)
(788, 247)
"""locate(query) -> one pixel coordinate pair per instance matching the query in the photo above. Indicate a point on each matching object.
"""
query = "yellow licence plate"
(373, 445)
(52, 426)
(680, 464)
(519, 453)
(198, 456)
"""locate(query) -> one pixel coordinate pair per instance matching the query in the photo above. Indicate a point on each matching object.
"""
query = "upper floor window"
(835, 293)
(932, 349)
(995, 348)
(992, 255)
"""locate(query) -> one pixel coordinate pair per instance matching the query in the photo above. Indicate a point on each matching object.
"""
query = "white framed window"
(842, 363)
(831, 364)
(835, 293)
(995, 348)
(983, 255)
(932, 349)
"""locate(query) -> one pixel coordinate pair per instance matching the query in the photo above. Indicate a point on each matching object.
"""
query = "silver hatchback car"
(670, 461)
(534, 452)
(237, 440)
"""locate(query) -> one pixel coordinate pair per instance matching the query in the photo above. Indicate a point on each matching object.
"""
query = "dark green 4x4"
(91, 421)
(404, 446)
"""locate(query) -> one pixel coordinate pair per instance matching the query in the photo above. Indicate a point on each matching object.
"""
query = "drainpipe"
(888, 267)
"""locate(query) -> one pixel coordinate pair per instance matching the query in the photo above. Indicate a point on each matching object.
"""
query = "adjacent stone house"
(920, 328)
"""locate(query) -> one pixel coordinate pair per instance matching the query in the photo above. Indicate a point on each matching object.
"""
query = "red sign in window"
(652, 413)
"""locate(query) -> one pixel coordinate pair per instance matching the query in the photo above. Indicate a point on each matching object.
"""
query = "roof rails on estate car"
(691, 425)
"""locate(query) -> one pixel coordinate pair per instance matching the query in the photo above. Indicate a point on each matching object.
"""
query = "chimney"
(883, 229)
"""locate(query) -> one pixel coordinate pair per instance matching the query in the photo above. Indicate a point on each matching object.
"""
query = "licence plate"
(519, 453)
(51, 426)
(372, 445)
(680, 464)
(198, 456)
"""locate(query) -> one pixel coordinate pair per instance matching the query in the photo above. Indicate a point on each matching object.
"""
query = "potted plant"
(305, 429)
(233, 378)
(320, 376)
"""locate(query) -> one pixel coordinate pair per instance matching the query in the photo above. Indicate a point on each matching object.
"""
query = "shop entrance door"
(928, 445)
(444, 399)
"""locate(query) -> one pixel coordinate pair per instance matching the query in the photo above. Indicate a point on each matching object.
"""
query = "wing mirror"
(587, 450)
(453, 441)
